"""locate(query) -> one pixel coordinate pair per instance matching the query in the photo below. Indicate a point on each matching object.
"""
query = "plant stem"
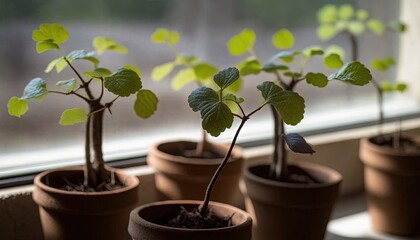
(380, 104)
(204, 206)
(354, 46)
(278, 167)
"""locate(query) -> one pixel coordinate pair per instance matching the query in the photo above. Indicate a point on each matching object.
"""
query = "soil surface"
(403, 143)
(194, 220)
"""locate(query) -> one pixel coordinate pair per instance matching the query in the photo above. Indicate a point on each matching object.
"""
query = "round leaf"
(345, 11)
(159, 35)
(376, 26)
(133, 68)
(283, 39)
(316, 79)
(145, 104)
(73, 116)
(17, 107)
(356, 27)
(242, 42)
(401, 87)
(327, 14)
(162, 71)
(288, 104)
(173, 38)
(333, 61)
(326, 32)
(362, 14)
(123, 83)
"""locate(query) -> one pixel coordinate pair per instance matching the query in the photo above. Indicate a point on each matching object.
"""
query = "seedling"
(121, 83)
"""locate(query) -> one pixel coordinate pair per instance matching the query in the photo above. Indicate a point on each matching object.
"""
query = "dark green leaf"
(316, 79)
(226, 77)
(36, 88)
(401, 87)
(216, 115)
(289, 104)
(271, 67)
(298, 144)
(123, 83)
(145, 104)
(354, 73)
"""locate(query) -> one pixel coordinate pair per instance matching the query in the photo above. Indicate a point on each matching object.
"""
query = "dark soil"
(194, 220)
(74, 182)
(295, 174)
(403, 143)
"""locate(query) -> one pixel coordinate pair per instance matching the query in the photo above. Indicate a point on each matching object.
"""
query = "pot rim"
(368, 143)
(133, 183)
(336, 177)
(135, 217)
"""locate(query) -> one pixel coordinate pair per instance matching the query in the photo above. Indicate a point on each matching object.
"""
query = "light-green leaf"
(145, 104)
(327, 14)
(162, 71)
(354, 73)
(73, 116)
(98, 73)
(287, 56)
(182, 78)
(249, 66)
(54, 33)
(288, 104)
(216, 115)
(17, 107)
(312, 51)
(362, 14)
(345, 11)
(102, 44)
(35, 89)
(283, 39)
(376, 26)
(333, 61)
(335, 49)
(226, 77)
(159, 35)
(173, 38)
(123, 83)
(326, 31)
(204, 70)
(44, 46)
(316, 79)
(356, 27)
(69, 85)
(242, 42)
(59, 64)
(401, 87)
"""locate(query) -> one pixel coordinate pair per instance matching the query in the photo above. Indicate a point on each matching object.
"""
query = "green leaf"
(73, 116)
(375, 26)
(335, 49)
(333, 61)
(362, 14)
(379, 64)
(283, 39)
(386, 87)
(316, 79)
(356, 27)
(249, 66)
(326, 32)
(289, 104)
(327, 14)
(54, 33)
(173, 38)
(69, 85)
(271, 67)
(102, 44)
(182, 78)
(162, 71)
(287, 56)
(312, 51)
(398, 26)
(242, 42)
(159, 35)
(134, 68)
(401, 87)
(185, 59)
(345, 11)
(46, 46)
(294, 75)
(204, 70)
(231, 97)
(297, 143)
(98, 73)
(145, 104)
(59, 64)
(123, 83)
(216, 115)
(82, 54)
(235, 86)
(226, 77)
(17, 107)
(354, 73)
(36, 88)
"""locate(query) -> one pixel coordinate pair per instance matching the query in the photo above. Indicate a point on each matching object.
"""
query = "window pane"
(205, 27)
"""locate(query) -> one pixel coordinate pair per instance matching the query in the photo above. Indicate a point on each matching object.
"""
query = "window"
(37, 141)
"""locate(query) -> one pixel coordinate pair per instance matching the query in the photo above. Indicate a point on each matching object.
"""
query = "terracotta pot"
(145, 222)
(80, 215)
(290, 210)
(180, 177)
(392, 184)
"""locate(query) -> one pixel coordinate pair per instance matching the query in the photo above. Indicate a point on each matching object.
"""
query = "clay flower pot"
(284, 211)
(82, 215)
(392, 184)
(146, 222)
(179, 177)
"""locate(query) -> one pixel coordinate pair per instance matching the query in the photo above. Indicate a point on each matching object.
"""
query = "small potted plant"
(90, 202)
(183, 167)
(165, 220)
(283, 197)
(392, 174)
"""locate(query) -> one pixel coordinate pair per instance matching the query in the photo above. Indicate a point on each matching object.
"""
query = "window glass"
(37, 141)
